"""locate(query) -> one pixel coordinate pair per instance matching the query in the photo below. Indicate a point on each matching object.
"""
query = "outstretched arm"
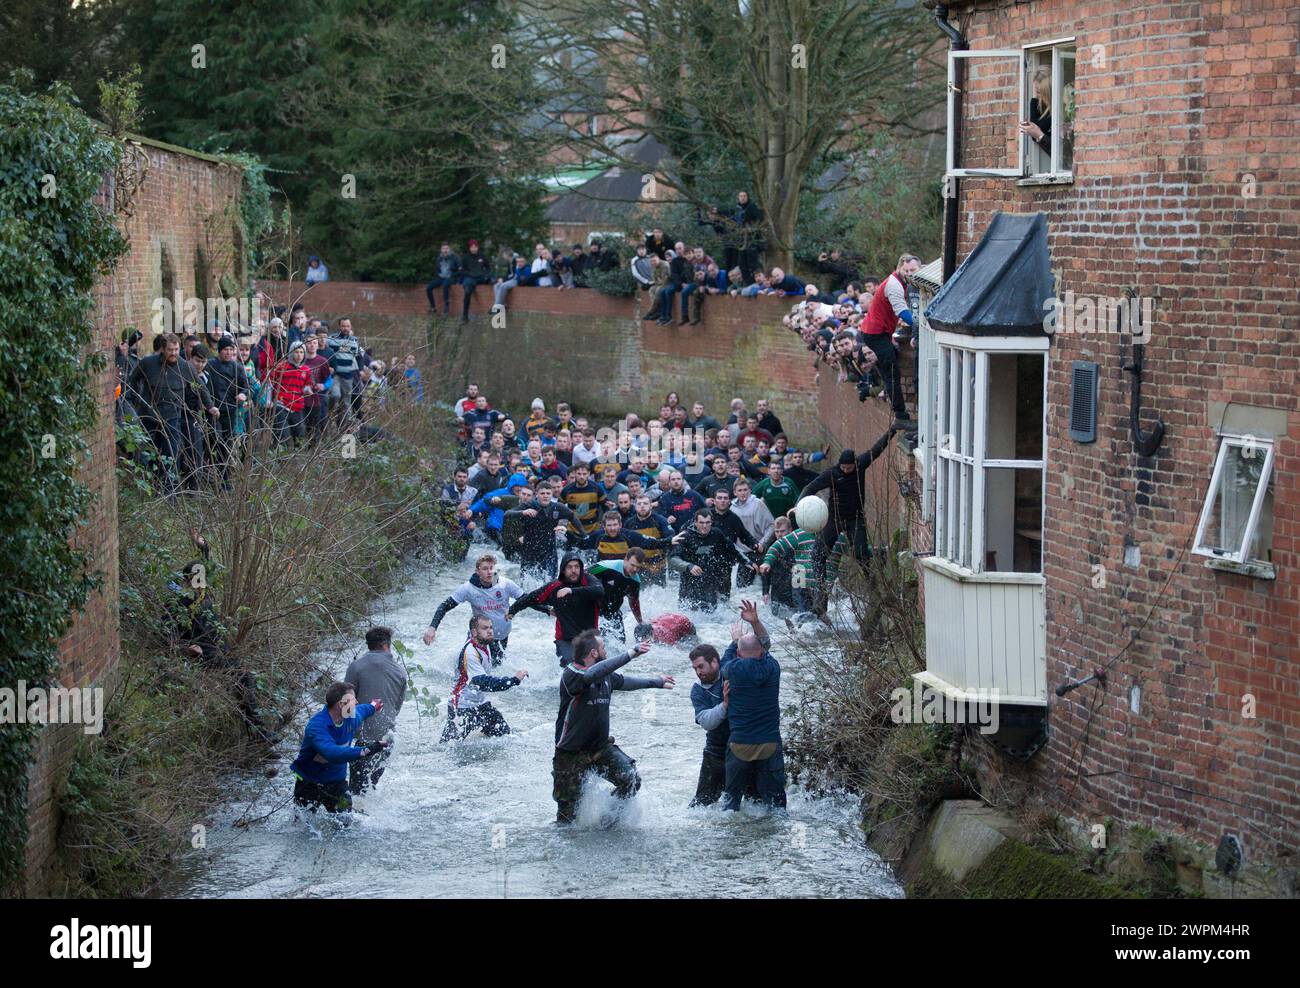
(866, 458)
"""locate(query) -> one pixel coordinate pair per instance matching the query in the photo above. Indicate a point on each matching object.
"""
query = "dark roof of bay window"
(1001, 287)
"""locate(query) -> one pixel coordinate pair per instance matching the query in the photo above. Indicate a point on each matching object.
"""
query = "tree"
(776, 85)
(401, 91)
(75, 43)
(224, 76)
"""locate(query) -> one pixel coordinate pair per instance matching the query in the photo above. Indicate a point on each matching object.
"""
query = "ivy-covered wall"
(176, 216)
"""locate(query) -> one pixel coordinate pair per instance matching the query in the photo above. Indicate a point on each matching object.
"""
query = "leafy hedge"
(54, 242)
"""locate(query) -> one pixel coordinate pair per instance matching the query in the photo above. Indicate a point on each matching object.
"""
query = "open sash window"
(1237, 518)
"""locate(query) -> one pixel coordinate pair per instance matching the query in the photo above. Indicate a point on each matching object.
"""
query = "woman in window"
(1039, 125)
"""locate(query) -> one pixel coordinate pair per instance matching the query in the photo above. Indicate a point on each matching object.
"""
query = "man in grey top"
(377, 674)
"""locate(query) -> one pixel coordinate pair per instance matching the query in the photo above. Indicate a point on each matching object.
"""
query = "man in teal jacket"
(321, 767)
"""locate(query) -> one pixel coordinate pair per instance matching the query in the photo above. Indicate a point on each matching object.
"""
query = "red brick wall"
(184, 206)
(1189, 104)
(585, 348)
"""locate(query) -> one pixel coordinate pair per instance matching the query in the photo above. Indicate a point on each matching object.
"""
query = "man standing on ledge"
(582, 739)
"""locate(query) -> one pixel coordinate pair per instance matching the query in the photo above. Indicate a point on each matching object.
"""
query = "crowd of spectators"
(199, 397)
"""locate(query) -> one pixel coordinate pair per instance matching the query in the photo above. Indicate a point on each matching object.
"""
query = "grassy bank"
(297, 550)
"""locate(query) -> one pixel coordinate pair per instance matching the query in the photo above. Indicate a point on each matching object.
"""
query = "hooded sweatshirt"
(575, 612)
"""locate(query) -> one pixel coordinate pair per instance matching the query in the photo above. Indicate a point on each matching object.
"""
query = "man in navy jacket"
(752, 690)
(321, 767)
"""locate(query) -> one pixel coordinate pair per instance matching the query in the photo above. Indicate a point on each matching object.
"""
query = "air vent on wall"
(1083, 401)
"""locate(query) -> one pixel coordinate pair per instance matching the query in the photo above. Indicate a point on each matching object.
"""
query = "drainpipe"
(956, 42)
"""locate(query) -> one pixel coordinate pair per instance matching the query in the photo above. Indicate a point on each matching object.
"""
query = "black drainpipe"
(956, 42)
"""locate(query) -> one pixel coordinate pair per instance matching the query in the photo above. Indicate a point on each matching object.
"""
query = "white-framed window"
(1048, 85)
(1034, 84)
(988, 458)
(1237, 517)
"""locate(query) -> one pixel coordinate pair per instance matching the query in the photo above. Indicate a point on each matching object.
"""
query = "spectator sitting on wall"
(602, 257)
(448, 275)
(476, 270)
(786, 284)
(316, 271)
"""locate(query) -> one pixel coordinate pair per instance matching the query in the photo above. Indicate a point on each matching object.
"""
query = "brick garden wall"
(1186, 188)
(586, 348)
(181, 212)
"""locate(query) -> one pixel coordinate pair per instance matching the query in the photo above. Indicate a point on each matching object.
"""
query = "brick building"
(1076, 522)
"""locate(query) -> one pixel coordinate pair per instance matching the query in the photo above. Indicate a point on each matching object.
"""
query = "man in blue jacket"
(321, 767)
(752, 689)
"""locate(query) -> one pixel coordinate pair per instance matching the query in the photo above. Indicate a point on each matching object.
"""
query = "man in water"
(468, 709)
(321, 765)
(379, 674)
(574, 598)
(752, 689)
(489, 596)
(622, 581)
(538, 527)
(704, 558)
(709, 698)
(668, 629)
(582, 739)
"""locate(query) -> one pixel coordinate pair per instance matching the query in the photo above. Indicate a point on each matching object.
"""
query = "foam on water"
(476, 818)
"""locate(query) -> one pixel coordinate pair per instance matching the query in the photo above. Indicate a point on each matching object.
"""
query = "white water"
(476, 818)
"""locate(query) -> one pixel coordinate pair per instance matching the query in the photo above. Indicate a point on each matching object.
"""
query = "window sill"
(963, 575)
(1256, 568)
(1064, 179)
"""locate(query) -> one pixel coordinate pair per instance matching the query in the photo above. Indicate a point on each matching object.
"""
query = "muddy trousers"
(569, 767)
(332, 797)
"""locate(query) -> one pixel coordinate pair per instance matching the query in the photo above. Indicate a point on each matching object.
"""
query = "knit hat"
(538, 405)
(473, 243)
(846, 456)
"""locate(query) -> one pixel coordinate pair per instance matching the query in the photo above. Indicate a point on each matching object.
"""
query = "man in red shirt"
(887, 310)
(668, 629)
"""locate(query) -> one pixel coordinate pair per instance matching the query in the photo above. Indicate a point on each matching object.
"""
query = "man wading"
(468, 709)
(321, 767)
(752, 689)
(377, 674)
(582, 739)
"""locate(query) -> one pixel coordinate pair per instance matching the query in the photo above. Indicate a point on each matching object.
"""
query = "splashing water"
(476, 818)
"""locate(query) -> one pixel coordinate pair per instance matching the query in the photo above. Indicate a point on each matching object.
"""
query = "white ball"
(810, 513)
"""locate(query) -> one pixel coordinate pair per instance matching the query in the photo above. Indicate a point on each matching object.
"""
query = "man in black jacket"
(748, 220)
(847, 482)
(536, 526)
(476, 270)
(159, 386)
(704, 557)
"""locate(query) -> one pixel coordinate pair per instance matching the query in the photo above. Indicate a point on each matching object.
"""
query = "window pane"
(1013, 521)
(1066, 110)
(1038, 101)
(1242, 468)
(1015, 416)
(991, 107)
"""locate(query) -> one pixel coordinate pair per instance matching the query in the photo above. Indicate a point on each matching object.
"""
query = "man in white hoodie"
(755, 516)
